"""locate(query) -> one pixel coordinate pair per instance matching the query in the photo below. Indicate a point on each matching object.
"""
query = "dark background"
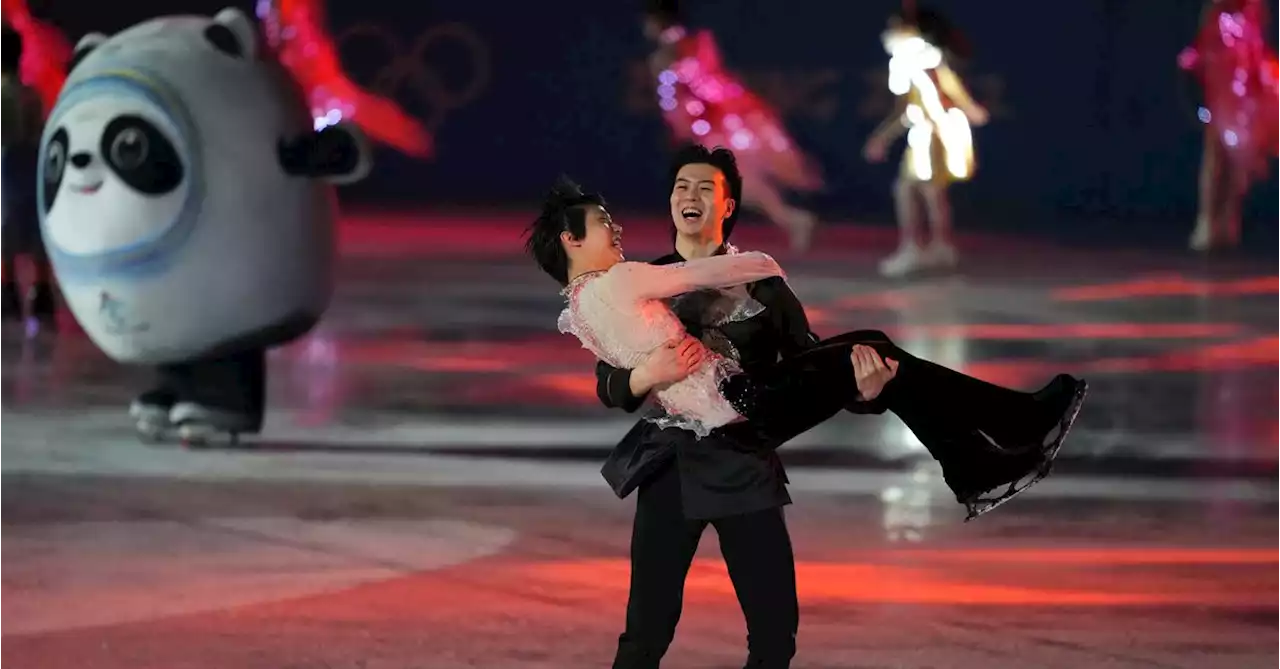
(1093, 136)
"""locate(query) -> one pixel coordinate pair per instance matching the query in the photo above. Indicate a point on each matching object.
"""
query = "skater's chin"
(687, 227)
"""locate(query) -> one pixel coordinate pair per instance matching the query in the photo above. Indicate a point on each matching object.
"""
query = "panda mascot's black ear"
(84, 47)
(233, 33)
(339, 154)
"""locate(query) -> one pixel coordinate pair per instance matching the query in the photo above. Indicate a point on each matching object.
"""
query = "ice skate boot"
(1064, 396)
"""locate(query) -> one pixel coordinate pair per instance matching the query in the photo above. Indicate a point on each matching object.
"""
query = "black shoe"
(1026, 469)
(43, 305)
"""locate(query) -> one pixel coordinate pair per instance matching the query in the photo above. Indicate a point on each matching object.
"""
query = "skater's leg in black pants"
(757, 550)
(799, 393)
(1013, 419)
(983, 435)
(663, 543)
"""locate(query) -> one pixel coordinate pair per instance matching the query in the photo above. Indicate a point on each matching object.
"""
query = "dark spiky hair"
(721, 159)
(563, 210)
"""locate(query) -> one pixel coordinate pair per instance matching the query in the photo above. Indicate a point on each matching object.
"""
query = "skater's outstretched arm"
(645, 282)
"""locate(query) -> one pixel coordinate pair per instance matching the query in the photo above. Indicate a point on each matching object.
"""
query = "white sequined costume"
(619, 316)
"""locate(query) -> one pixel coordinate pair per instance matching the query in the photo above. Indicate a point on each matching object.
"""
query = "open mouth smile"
(87, 189)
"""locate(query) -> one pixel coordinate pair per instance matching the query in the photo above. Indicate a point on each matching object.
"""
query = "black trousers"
(980, 433)
(235, 383)
(757, 551)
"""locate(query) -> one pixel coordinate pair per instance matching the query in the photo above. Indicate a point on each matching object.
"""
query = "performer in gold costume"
(935, 112)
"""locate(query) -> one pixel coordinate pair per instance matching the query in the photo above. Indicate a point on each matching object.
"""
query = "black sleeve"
(787, 316)
(613, 387)
(792, 325)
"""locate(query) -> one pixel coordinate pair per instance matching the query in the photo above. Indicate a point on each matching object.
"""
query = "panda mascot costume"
(186, 201)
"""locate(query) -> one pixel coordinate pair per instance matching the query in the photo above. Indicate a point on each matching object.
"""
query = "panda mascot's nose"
(81, 159)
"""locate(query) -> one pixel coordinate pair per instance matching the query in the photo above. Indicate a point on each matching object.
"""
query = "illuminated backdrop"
(1093, 125)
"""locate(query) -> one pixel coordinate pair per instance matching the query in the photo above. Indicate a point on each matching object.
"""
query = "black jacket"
(733, 470)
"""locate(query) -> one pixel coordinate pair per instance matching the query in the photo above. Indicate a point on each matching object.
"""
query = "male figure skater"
(984, 437)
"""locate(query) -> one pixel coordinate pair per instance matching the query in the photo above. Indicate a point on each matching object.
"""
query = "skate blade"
(980, 506)
(1068, 420)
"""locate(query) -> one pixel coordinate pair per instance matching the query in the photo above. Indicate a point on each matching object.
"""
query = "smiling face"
(115, 171)
(700, 199)
(600, 246)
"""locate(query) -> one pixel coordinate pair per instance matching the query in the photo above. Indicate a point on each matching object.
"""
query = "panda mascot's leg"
(220, 396)
(204, 399)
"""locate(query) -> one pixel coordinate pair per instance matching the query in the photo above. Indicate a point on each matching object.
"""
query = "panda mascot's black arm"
(337, 153)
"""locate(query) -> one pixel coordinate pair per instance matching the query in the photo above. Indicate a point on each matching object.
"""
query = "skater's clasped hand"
(672, 362)
(871, 372)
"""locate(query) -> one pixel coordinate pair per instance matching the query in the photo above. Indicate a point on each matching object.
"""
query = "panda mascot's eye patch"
(224, 39)
(55, 164)
(141, 155)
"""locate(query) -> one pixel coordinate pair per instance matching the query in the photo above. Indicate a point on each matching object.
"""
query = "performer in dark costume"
(23, 122)
(984, 436)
